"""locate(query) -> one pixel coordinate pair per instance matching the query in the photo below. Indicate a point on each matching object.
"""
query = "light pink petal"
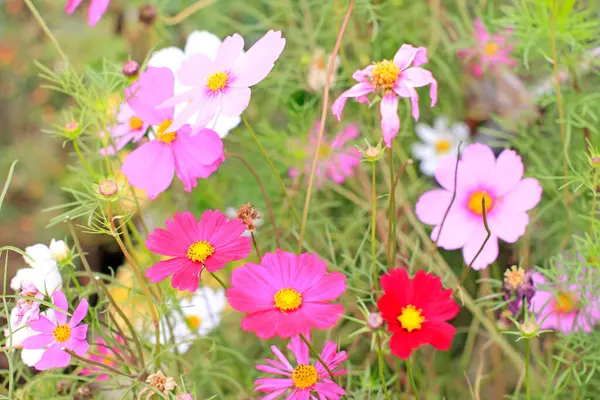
(229, 50)
(153, 87)
(489, 252)
(408, 54)
(80, 332)
(414, 103)
(194, 71)
(71, 6)
(43, 324)
(166, 268)
(419, 77)
(507, 173)
(524, 195)
(480, 159)
(271, 370)
(390, 122)
(357, 90)
(150, 167)
(53, 357)
(254, 65)
(209, 108)
(234, 101)
(276, 393)
(79, 313)
(96, 10)
(432, 206)
(79, 347)
(38, 341)
(507, 224)
(457, 230)
(445, 174)
(273, 384)
(60, 301)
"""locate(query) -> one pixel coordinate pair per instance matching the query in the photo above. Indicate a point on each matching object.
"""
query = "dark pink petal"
(210, 222)
(254, 66)
(44, 325)
(38, 341)
(524, 195)
(62, 306)
(187, 277)
(79, 313)
(329, 287)
(408, 54)
(166, 268)
(321, 315)
(300, 350)
(71, 6)
(150, 167)
(175, 240)
(264, 323)
(390, 122)
(282, 358)
(234, 101)
(507, 172)
(229, 50)
(488, 254)
(152, 88)
(53, 357)
(237, 250)
(271, 384)
(96, 10)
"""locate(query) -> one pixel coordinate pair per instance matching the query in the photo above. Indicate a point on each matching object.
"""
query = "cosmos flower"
(567, 307)
(337, 158)
(416, 311)
(437, 142)
(221, 85)
(177, 151)
(19, 330)
(43, 272)
(518, 284)
(286, 294)
(105, 354)
(306, 380)
(56, 336)
(390, 80)
(490, 50)
(128, 128)
(481, 178)
(198, 42)
(96, 9)
(194, 245)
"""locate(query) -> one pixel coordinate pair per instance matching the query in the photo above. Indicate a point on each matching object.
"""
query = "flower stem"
(187, 12)
(255, 245)
(47, 31)
(323, 120)
(527, 355)
(99, 364)
(411, 378)
(317, 356)
(373, 222)
(391, 211)
(381, 366)
(218, 280)
(275, 172)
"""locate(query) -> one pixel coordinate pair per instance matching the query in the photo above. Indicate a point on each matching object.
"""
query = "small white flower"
(198, 42)
(437, 142)
(39, 256)
(60, 251)
(18, 332)
(317, 72)
(44, 273)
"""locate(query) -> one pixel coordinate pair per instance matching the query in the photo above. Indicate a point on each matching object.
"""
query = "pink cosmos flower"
(95, 11)
(337, 159)
(222, 85)
(390, 79)
(306, 380)
(194, 245)
(105, 354)
(129, 128)
(481, 178)
(57, 336)
(564, 306)
(179, 151)
(286, 294)
(490, 50)
(29, 310)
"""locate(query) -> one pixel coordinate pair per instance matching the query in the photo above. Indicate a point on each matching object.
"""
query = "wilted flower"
(160, 382)
(20, 330)
(28, 310)
(518, 283)
(248, 215)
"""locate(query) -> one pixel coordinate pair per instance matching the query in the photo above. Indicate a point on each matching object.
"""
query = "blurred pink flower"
(286, 294)
(129, 128)
(337, 158)
(96, 9)
(105, 354)
(481, 177)
(306, 380)
(29, 310)
(489, 51)
(391, 79)
(182, 152)
(57, 336)
(564, 306)
(222, 85)
(194, 245)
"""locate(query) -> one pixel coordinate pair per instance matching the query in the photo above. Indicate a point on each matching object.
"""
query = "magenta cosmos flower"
(490, 50)
(337, 158)
(96, 9)
(182, 152)
(306, 380)
(565, 306)
(128, 128)
(194, 245)
(56, 337)
(390, 79)
(286, 294)
(222, 84)
(481, 178)
(105, 354)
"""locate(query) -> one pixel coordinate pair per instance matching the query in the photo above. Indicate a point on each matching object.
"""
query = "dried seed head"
(248, 214)
(159, 381)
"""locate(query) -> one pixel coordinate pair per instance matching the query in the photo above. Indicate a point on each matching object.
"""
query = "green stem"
(411, 378)
(373, 222)
(82, 159)
(317, 356)
(381, 366)
(47, 31)
(527, 352)
(218, 280)
(73, 277)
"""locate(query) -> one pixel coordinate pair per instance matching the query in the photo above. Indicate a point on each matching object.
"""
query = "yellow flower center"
(62, 333)
(287, 299)
(514, 277)
(135, 123)
(193, 321)
(565, 303)
(476, 202)
(384, 74)
(200, 251)
(411, 318)
(442, 146)
(162, 134)
(304, 376)
(490, 48)
(217, 81)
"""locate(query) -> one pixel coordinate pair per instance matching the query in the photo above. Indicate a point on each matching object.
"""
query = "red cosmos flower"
(416, 311)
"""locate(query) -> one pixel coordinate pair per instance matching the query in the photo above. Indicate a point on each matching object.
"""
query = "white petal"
(202, 42)
(223, 124)
(170, 57)
(31, 356)
(22, 276)
(423, 151)
(428, 166)
(460, 131)
(426, 133)
(48, 280)
(38, 253)
(441, 124)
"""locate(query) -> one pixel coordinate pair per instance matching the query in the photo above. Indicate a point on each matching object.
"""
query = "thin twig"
(317, 356)
(187, 12)
(452, 199)
(489, 234)
(99, 364)
(256, 248)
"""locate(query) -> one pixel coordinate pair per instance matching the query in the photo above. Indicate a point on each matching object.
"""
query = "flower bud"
(60, 251)
(185, 396)
(108, 187)
(131, 69)
(374, 320)
(147, 14)
(372, 153)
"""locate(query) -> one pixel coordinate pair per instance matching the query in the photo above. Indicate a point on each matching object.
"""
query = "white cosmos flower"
(18, 332)
(198, 42)
(44, 273)
(438, 141)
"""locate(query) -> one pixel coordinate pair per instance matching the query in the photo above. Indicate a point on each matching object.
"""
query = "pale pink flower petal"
(408, 54)
(195, 69)
(390, 122)
(235, 100)
(97, 10)
(135, 167)
(254, 65)
(508, 171)
(357, 90)
(489, 253)
(79, 313)
(524, 195)
(231, 48)
(53, 357)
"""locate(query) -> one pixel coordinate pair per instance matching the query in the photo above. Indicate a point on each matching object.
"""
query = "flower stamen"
(62, 333)
(475, 202)
(385, 74)
(304, 376)
(217, 81)
(565, 303)
(287, 299)
(135, 123)
(162, 134)
(200, 251)
(411, 318)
